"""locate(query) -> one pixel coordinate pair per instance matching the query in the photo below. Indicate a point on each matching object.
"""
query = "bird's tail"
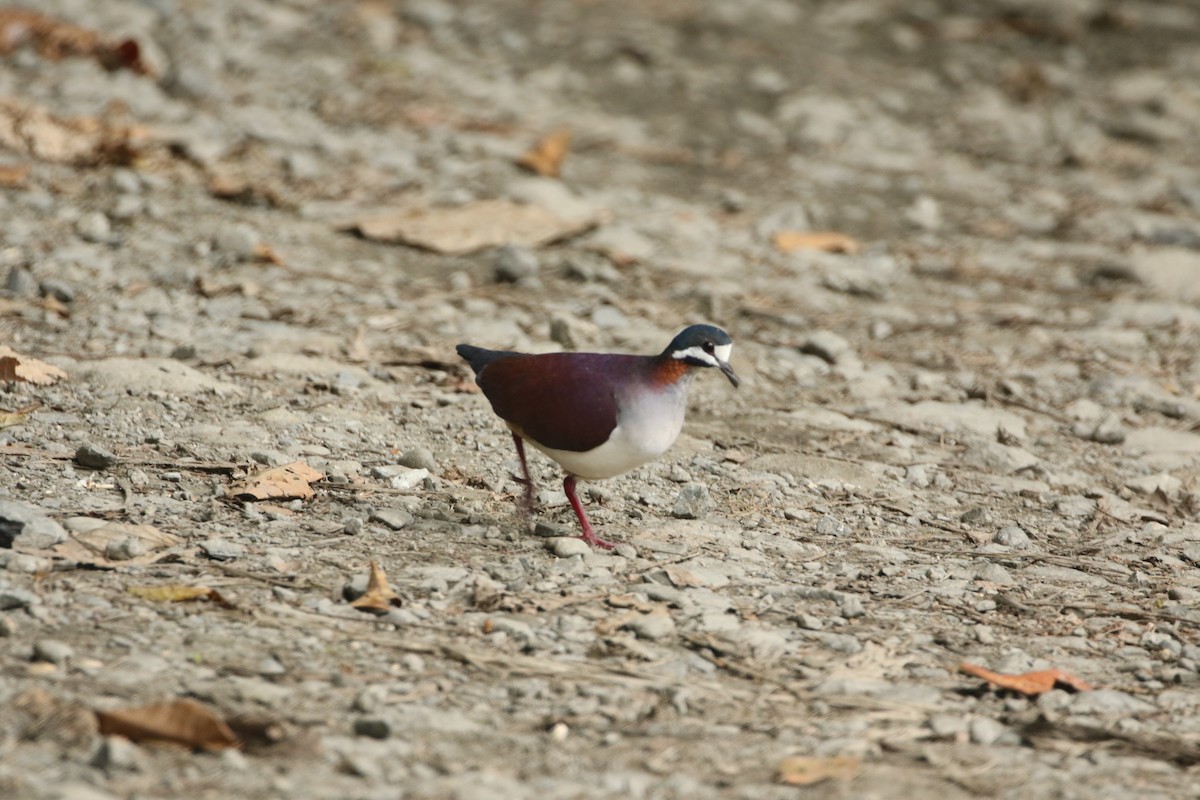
(480, 357)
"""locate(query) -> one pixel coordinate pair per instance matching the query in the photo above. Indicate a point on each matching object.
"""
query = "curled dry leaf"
(184, 722)
(85, 141)
(807, 770)
(825, 241)
(473, 227)
(14, 176)
(546, 156)
(11, 418)
(178, 593)
(379, 597)
(15, 367)
(55, 39)
(1028, 683)
(291, 481)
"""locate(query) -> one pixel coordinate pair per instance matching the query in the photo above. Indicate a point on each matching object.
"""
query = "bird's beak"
(729, 373)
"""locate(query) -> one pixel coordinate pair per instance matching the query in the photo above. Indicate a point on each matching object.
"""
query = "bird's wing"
(565, 401)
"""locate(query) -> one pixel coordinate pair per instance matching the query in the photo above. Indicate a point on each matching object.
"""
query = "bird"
(596, 415)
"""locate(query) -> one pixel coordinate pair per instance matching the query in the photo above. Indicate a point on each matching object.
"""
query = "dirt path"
(970, 435)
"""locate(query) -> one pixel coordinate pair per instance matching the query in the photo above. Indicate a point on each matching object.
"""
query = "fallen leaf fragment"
(14, 176)
(825, 241)
(55, 39)
(265, 253)
(546, 156)
(1028, 683)
(291, 481)
(15, 367)
(473, 227)
(11, 418)
(184, 722)
(108, 139)
(178, 593)
(379, 597)
(807, 770)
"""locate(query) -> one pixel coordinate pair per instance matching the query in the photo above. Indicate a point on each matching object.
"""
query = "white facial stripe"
(719, 355)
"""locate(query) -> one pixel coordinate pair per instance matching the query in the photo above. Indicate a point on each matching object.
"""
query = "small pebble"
(117, 754)
(94, 227)
(373, 728)
(514, 263)
(652, 626)
(1012, 536)
(692, 503)
(222, 549)
(125, 548)
(52, 651)
(825, 345)
(565, 547)
(418, 458)
(393, 518)
(94, 457)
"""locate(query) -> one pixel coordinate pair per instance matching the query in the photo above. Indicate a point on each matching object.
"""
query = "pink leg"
(528, 481)
(589, 535)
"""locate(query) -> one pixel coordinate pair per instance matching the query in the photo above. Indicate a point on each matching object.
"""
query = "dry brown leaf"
(107, 139)
(1028, 683)
(357, 351)
(184, 722)
(682, 578)
(473, 227)
(825, 241)
(379, 597)
(11, 418)
(807, 770)
(55, 39)
(264, 252)
(546, 156)
(15, 367)
(14, 176)
(291, 481)
(178, 593)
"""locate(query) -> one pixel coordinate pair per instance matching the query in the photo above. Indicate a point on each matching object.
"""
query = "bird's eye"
(707, 347)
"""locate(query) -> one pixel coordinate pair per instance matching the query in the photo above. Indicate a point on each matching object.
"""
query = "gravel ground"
(974, 437)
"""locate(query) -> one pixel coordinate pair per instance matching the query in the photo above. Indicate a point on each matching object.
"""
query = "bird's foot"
(595, 541)
(528, 501)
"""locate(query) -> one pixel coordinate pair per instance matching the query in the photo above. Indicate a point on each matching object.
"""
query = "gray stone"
(94, 227)
(238, 240)
(985, 730)
(94, 457)
(222, 549)
(26, 526)
(514, 263)
(400, 477)
(1012, 536)
(125, 548)
(825, 345)
(652, 626)
(852, 606)
(394, 518)
(52, 651)
(373, 728)
(829, 525)
(693, 502)
(567, 546)
(418, 458)
(117, 754)
(21, 283)
(13, 597)
(1110, 701)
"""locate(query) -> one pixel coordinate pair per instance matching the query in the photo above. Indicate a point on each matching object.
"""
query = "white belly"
(645, 430)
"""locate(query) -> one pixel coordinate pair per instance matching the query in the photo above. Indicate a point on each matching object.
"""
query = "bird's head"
(703, 346)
